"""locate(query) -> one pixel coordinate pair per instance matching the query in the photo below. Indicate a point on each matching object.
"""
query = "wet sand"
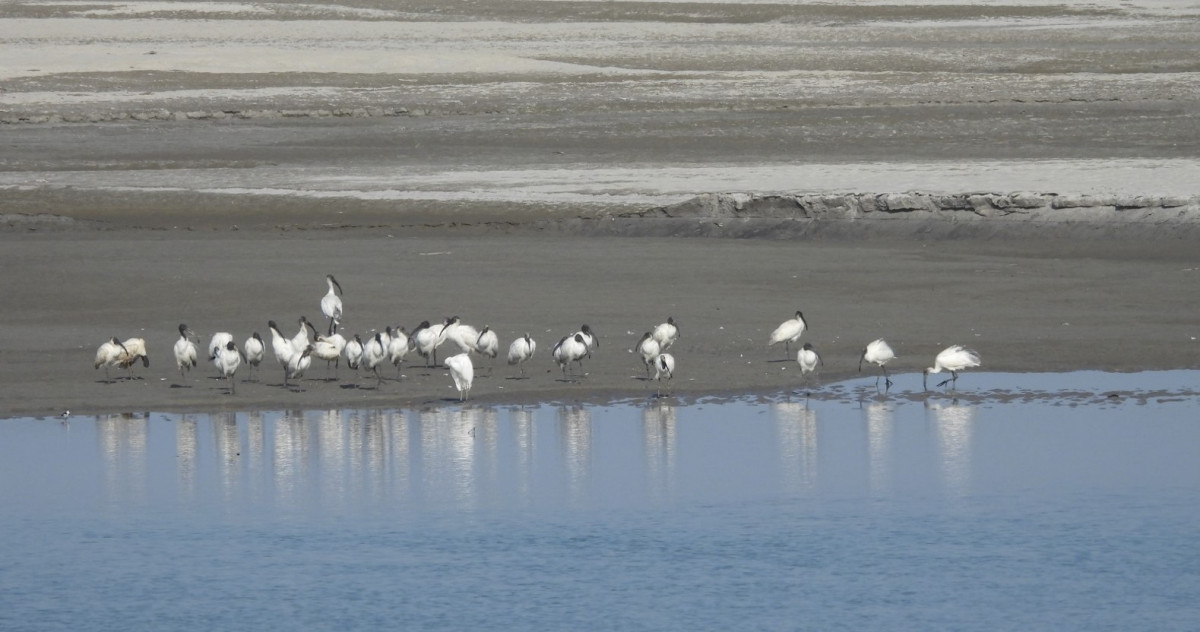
(1046, 306)
(143, 185)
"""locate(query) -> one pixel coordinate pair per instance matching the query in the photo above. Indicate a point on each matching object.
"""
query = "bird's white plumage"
(331, 303)
(301, 339)
(665, 334)
(354, 352)
(215, 344)
(879, 353)
(487, 344)
(664, 370)
(521, 350)
(788, 331)
(425, 341)
(228, 359)
(398, 347)
(300, 362)
(329, 348)
(463, 373)
(186, 355)
(648, 348)
(590, 339)
(460, 334)
(808, 359)
(109, 355)
(374, 354)
(954, 358)
(281, 346)
(571, 348)
(254, 351)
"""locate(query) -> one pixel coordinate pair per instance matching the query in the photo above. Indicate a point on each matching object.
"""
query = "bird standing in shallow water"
(331, 303)
(463, 373)
(186, 356)
(878, 353)
(954, 358)
(788, 332)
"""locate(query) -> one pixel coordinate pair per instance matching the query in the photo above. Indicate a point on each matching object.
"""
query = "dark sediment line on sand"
(963, 215)
(1018, 215)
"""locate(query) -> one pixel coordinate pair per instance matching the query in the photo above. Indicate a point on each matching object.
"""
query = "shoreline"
(1048, 305)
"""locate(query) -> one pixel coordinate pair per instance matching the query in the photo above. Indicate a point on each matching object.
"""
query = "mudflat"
(1024, 307)
(210, 163)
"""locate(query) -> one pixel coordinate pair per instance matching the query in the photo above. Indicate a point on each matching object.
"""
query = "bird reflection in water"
(879, 417)
(575, 432)
(123, 440)
(952, 423)
(796, 429)
(525, 444)
(658, 440)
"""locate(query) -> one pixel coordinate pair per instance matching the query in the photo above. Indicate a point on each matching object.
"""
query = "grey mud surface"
(90, 250)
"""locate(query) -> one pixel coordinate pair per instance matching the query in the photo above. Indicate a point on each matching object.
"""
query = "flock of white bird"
(295, 354)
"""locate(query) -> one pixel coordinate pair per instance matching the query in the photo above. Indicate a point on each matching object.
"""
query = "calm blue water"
(1038, 503)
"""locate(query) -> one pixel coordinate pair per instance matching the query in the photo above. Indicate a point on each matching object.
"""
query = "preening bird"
(217, 342)
(460, 334)
(571, 348)
(282, 347)
(878, 353)
(253, 351)
(186, 355)
(648, 348)
(808, 359)
(135, 349)
(354, 352)
(590, 339)
(228, 360)
(665, 334)
(788, 332)
(463, 373)
(331, 303)
(329, 348)
(300, 363)
(520, 351)
(374, 354)
(425, 340)
(398, 348)
(109, 354)
(488, 345)
(664, 369)
(954, 358)
(301, 339)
